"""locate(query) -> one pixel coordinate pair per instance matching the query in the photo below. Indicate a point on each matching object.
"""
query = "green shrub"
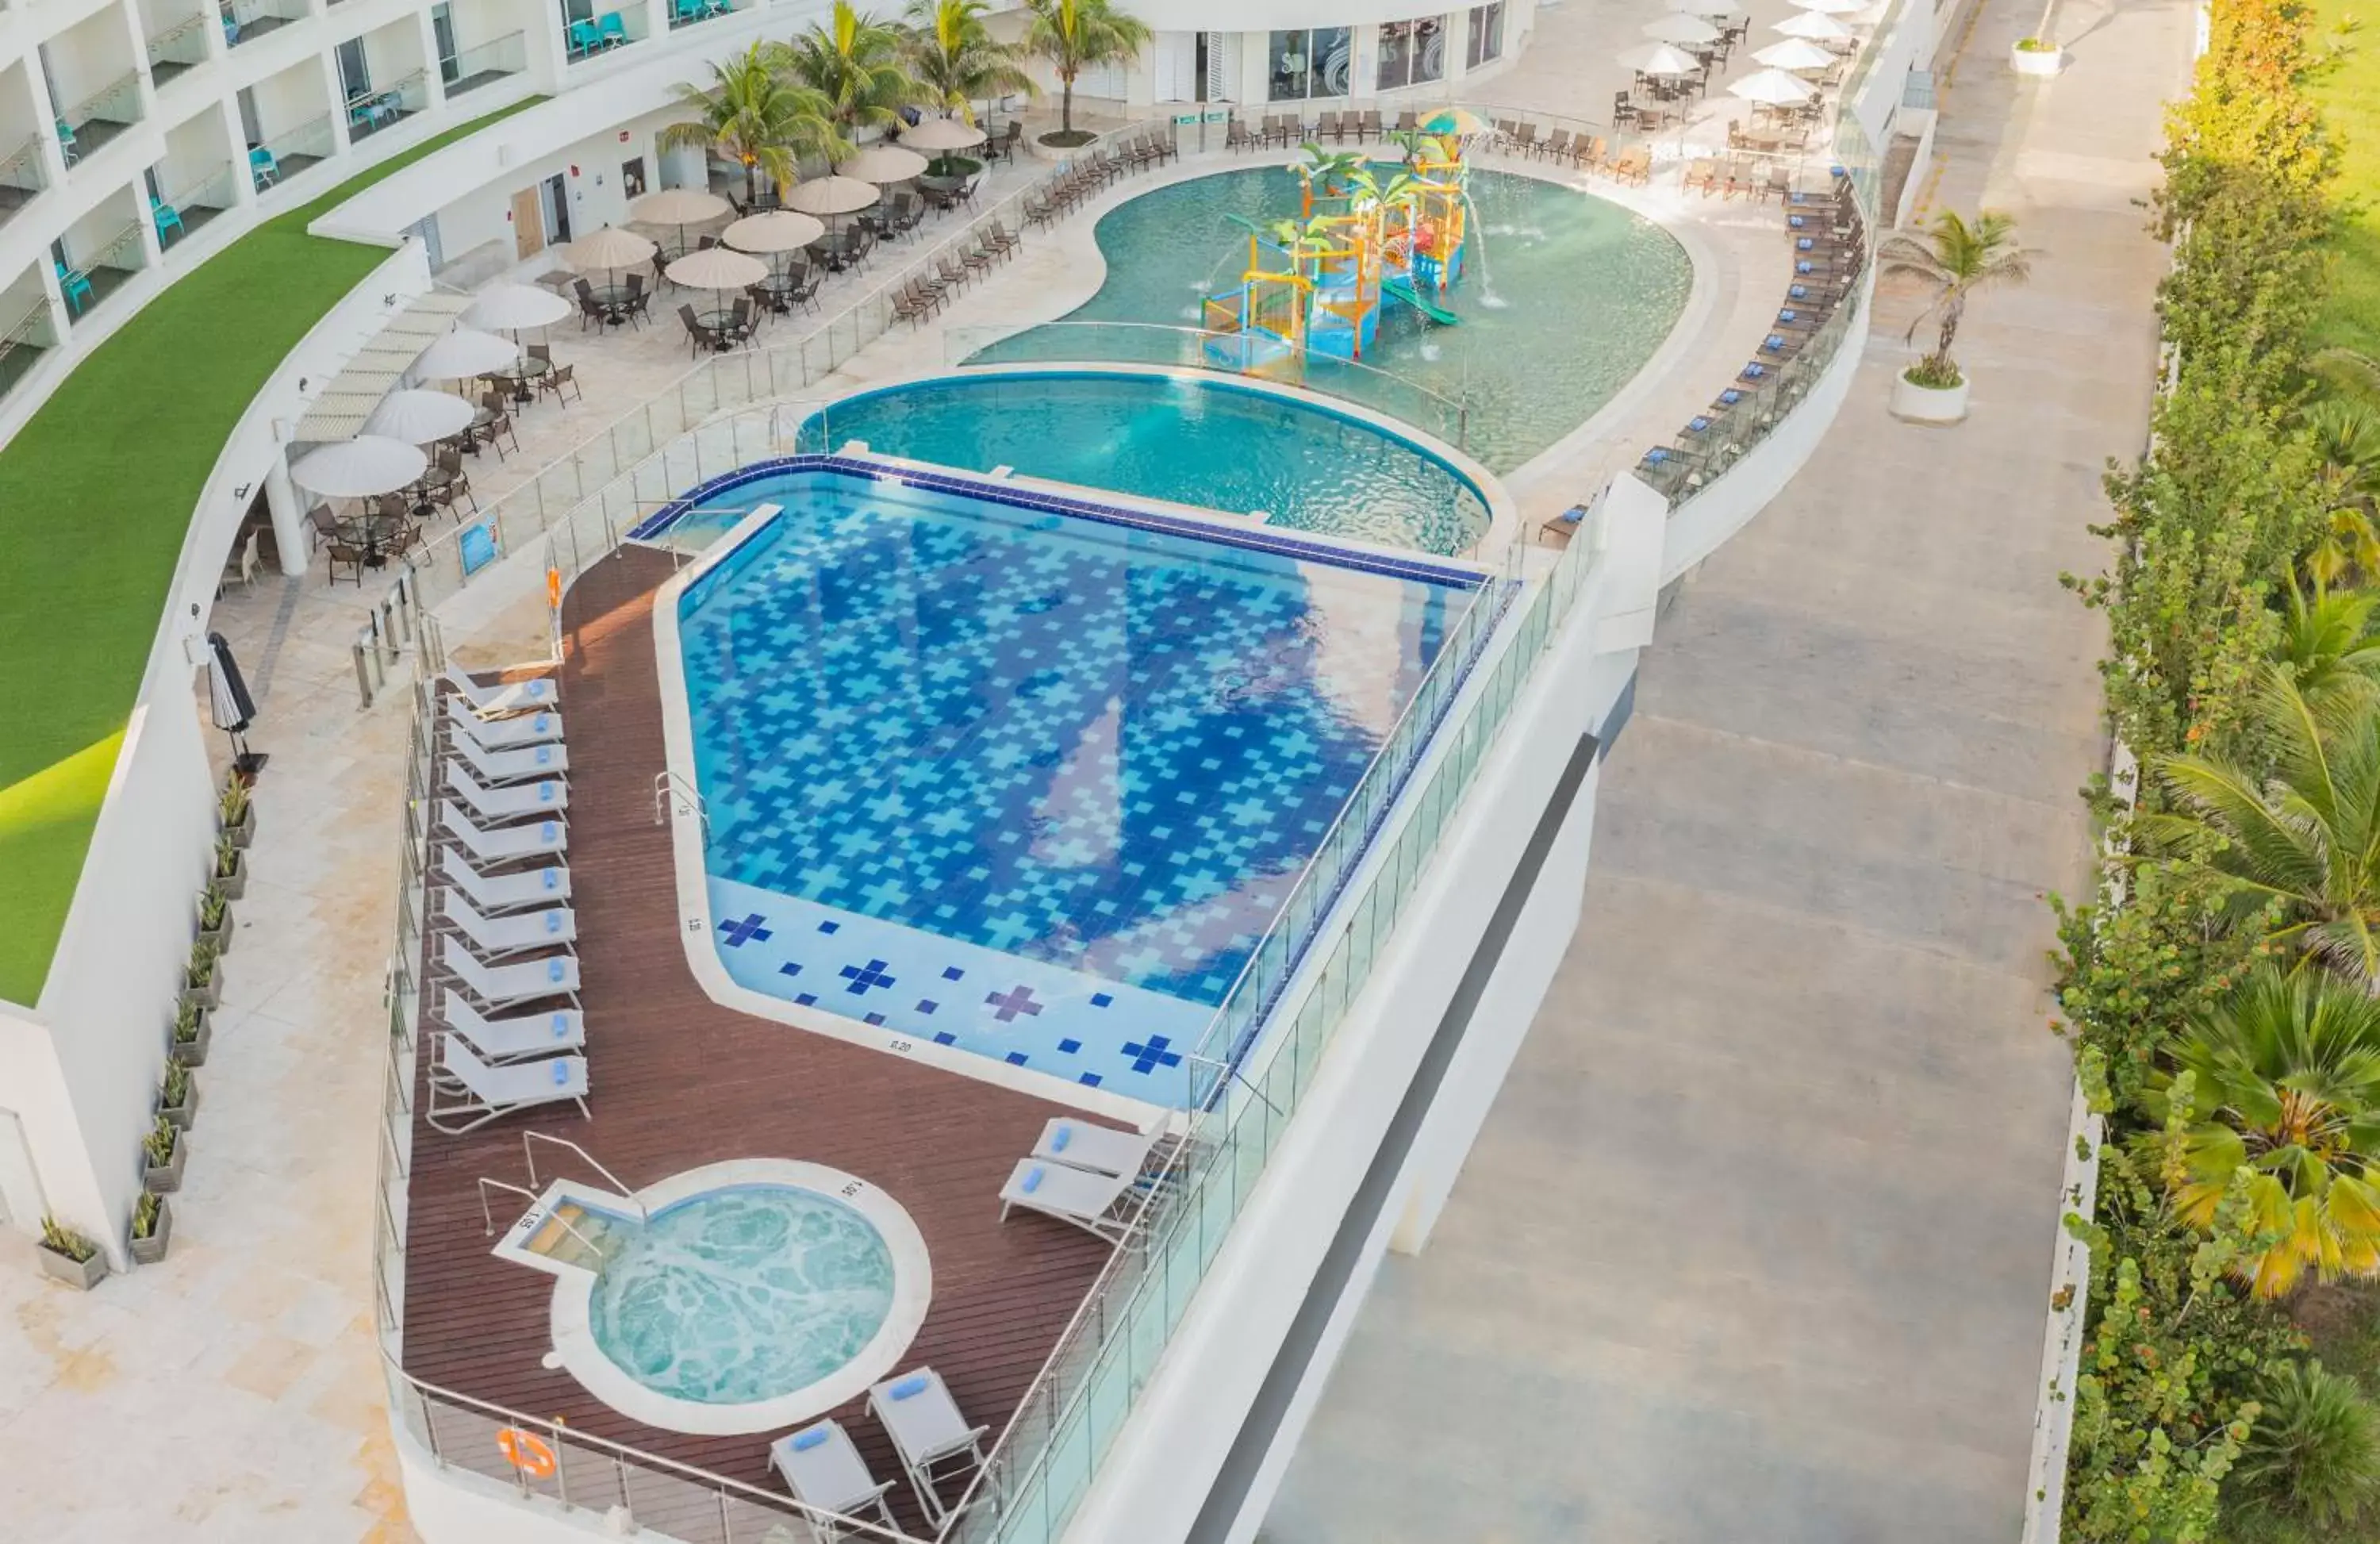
(2314, 1456)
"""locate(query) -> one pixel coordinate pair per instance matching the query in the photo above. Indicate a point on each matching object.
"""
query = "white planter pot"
(1916, 404)
(2036, 61)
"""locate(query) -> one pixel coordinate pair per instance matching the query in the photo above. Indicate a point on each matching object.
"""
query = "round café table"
(520, 376)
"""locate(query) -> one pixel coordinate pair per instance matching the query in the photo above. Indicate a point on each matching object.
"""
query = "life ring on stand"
(527, 1452)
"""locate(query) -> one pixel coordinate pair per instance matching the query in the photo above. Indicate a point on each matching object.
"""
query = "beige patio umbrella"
(464, 354)
(608, 248)
(830, 196)
(717, 268)
(942, 134)
(1794, 53)
(882, 163)
(1772, 88)
(1815, 24)
(1658, 58)
(417, 417)
(510, 307)
(1678, 27)
(677, 206)
(780, 230)
(359, 467)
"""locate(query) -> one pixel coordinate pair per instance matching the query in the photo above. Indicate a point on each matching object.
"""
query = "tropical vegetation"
(953, 52)
(858, 66)
(2218, 991)
(1077, 35)
(758, 116)
(1955, 257)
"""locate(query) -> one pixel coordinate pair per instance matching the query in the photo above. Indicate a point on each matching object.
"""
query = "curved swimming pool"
(1569, 297)
(1211, 442)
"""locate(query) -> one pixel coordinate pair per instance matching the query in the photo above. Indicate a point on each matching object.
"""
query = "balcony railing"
(22, 345)
(371, 110)
(601, 33)
(285, 156)
(20, 176)
(190, 205)
(483, 63)
(100, 117)
(179, 47)
(687, 13)
(247, 20)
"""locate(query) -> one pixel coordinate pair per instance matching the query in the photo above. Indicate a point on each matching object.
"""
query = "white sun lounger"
(505, 696)
(501, 986)
(506, 733)
(1080, 1143)
(504, 845)
(477, 1093)
(497, 768)
(528, 802)
(1096, 1203)
(933, 1439)
(497, 894)
(494, 937)
(520, 1035)
(823, 1470)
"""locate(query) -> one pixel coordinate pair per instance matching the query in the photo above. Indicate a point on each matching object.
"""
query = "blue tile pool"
(1025, 782)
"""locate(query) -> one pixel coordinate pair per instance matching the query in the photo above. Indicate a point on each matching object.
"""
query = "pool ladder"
(530, 1193)
(673, 791)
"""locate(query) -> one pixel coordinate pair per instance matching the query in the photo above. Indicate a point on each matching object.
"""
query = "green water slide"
(1402, 288)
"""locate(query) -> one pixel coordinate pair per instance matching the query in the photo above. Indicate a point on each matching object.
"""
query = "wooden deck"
(678, 1080)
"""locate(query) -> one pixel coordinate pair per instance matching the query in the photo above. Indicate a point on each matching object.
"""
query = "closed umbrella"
(1794, 53)
(608, 248)
(1772, 87)
(780, 230)
(418, 418)
(230, 703)
(717, 268)
(942, 134)
(360, 468)
(464, 354)
(510, 307)
(883, 163)
(1813, 25)
(1680, 28)
(1659, 58)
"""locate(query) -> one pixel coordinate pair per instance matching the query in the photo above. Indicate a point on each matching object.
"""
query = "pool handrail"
(528, 1156)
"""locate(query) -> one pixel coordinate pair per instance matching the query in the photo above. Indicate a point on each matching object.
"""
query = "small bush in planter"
(231, 867)
(202, 978)
(190, 1032)
(1935, 373)
(236, 812)
(2036, 46)
(177, 1094)
(68, 1256)
(214, 917)
(166, 1148)
(152, 1225)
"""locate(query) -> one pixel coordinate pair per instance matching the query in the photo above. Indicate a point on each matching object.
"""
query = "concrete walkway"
(1755, 1244)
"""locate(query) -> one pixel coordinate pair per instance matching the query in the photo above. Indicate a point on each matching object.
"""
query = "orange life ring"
(527, 1452)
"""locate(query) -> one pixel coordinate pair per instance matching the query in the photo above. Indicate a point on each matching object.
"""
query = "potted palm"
(192, 1030)
(202, 978)
(214, 917)
(68, 1256)
(152, 1225)
(757, 117)
(1956, 257)
(236, 811)
(177, 1094)
(162, 1152)
(1074, 36)
(231, 867)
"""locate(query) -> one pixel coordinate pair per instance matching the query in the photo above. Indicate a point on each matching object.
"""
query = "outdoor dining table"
(369, 531)
(612, 301)
(520, 375)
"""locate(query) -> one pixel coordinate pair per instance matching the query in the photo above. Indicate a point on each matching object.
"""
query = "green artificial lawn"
(96, 494)
(2350, 95)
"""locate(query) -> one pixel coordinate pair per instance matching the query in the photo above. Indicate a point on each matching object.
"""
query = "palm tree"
(2346, 439)
(2304, 846)
(756, 118)
(1957, 259)
(953, 55)
(1075, 35)
(855, 63)
(2328, 645)
(2288, 1072)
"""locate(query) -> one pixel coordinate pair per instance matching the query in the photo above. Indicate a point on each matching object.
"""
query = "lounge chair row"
(939, 1452)
(1093, 1176)
(512, 1033)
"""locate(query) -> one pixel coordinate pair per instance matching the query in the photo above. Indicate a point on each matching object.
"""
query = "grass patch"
(96, 495)
(2350, 95)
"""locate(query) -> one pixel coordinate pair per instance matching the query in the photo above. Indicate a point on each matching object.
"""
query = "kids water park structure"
(1369, 234)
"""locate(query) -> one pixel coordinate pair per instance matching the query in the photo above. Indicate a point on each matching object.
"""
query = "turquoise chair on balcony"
(66, 140)
(165, 217)
(585, 39)
(615, 30)
(265, 166)
(76, 285)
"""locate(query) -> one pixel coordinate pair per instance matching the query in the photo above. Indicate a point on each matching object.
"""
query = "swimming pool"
(1210, 443)
(1571, 295)
(1022, 777)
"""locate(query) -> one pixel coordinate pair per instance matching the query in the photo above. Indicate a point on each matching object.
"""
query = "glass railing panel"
(378, 108)
(289, 153)
(246, 21)
(482, 64)
(179, 47)
(21, 173)
(94, 119)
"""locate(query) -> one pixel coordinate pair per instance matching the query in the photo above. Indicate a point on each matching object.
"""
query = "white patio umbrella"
(417, 417)
(512, 308)
(882, 163)
(1712, 9)
(464, 353)
(943, 134)
(717, 268)
(1813, 25)
(1794, 53)
(1833, 8)
(677, 206)
(359, 467)
(1658, 58)
(780, 230)
(608, 248)
(831, 195)
(1772, 87)
(1680, 28)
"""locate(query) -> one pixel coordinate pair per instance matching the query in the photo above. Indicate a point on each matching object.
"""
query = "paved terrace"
(1754, 1245)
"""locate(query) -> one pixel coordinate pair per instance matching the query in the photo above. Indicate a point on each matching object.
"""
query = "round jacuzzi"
(749, 1296)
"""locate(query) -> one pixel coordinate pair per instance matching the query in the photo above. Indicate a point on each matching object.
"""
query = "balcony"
(376, 108)
(23, 344)
(687, 13)
(591, 36)
(250, 19)
(89, 281)
(483, 64)
(21, 177)
(186, 207)
(286, 154)
(99, 118)
(178, 49)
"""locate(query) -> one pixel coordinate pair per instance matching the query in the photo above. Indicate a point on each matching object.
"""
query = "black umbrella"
(235, 710)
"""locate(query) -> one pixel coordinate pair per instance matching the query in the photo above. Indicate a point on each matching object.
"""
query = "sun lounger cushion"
(1032, 1181)
(915, 1383)
(802, 1442)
